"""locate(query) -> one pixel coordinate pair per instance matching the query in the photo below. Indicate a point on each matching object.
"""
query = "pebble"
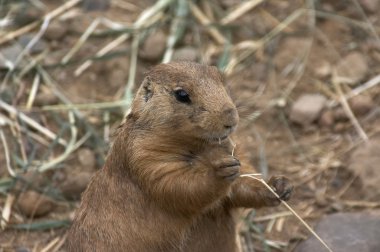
(370, 5)
(153, 47)
(327, 119)
(56, 30)
(361, 104)
(46, 98)
(323, 69)
(185, 54)
(27, 14)
(346, 232)
(87, 159)
(95, 5)
(364, 162)
(34, 204)
(307, 109)
(352, 69)
(9, 55)
(75, 184)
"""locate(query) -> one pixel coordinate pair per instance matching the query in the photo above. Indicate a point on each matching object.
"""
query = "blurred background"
(304, 76)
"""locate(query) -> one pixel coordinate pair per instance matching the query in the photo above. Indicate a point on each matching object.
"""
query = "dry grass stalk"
(147, 17)
(361, 88)
(346, 107)
(33, 91)
(6, 153)
(53, 14)
(29, 121)
(242, 9)
(204, 20)
(7, 210)
(290, 209)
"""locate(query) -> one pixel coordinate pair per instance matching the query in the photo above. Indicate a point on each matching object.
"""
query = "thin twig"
(242, 9)
(142, 21)
(33, 91)
(32, 123)
(347, 109)
(203, 19)
(69, 147)
(6, 153)
(290, 209)
(60, 10)
(6, 213)
(363, 87)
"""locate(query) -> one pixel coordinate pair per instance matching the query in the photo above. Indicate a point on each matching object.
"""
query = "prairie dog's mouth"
(219, 139)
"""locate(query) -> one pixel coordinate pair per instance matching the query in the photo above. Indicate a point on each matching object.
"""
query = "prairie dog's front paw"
(282, 186)
(227, 168)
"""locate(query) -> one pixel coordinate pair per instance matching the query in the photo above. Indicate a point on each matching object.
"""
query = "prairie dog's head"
(186, 99)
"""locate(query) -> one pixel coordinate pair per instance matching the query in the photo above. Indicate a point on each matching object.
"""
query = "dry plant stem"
(81, 41)
(176, 29)
(118, 41)
(372, 28)
(361, 88)
(242, 9)
(203, 19)
(91, 28)
(290, 209)
(132, 69)
(274, 32)
(60, 10)
(143, 20)
(98, 105)
(50, 245)
(6, 213)
(6, 152)
(33, 91)
(11, 110)
(347, 109)
(69, 148)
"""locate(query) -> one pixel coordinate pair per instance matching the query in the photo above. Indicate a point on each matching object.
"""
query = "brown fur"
(168, 183)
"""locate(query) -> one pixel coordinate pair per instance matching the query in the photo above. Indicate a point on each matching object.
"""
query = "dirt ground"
(272, 53)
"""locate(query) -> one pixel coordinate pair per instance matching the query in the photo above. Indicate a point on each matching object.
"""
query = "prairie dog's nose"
(230, 116)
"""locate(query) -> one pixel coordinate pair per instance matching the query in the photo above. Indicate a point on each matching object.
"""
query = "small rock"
(22, 249)
(364, 161)
(10, 55)
(39, 46)
(27, 14)
(186, 54)
(56, 31)
(46, 98)
(346, 232)
(87, 159)
(340, 127)
(307, 109)
(352, 68)
(361, 104)
(75, 184)
(95, 5)
(34, 204)
(370, 5)
(327, 119)
(154, 46)
(230, 3)
(340, 115)
(32, 178)
(323, 69)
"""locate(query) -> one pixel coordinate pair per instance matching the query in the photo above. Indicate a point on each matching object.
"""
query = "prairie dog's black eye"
(182, 96)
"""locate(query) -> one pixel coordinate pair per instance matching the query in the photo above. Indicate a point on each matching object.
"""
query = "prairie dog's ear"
(147, 89)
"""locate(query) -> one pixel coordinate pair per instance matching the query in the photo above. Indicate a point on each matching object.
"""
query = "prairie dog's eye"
(182, 96)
